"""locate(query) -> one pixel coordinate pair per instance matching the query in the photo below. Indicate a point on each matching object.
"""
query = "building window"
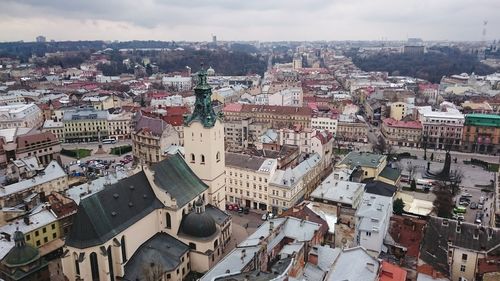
(462, 268)
(110, 264)
(38, 243)
(37, 233)
(94, 266)
(193, 158)
(28, 237)
(217, 157)
(368, 233)
(464, 257)
(192, 246)
(44, 230)
(124, 250)
(54, 235)
(169, 221)
(202, 159)
(45, 239)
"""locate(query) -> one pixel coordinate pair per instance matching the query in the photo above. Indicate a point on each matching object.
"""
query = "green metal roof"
(485, 120)
(363, 159)
(174, 176)
(105, 214)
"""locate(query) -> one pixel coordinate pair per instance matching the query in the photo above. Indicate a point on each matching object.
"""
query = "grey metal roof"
(440, 232)
(354, 264)
(108, 212)
(174, 176)
(161, 250)
(244, 161)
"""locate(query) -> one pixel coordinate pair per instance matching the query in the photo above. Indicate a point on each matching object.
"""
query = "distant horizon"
(49, 40)
(258, 20)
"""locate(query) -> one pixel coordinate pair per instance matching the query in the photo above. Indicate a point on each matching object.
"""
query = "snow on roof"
(52, 171)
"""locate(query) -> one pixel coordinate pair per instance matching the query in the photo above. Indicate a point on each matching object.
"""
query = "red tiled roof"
(490, 264)
(392, 272)
(274, 109)
(407, 232)
(301, 211)
(429, 270)
(402, 124)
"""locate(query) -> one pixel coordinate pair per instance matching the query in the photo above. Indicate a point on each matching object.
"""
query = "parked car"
(264, 217)
(473, 205)
(478, 219)
(459, 210)
(480, 206)
(246, 210)
(240, 210)
(466, 194)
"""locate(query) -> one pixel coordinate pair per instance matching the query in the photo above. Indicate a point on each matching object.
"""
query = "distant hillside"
(431, 66)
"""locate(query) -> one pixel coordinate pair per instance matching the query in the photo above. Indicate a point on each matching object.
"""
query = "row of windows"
(255, 194)
(202, 158)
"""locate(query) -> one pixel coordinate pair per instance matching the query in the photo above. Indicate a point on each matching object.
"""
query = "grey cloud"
(262, 19)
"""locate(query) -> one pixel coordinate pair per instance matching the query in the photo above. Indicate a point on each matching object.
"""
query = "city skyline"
(256, 20)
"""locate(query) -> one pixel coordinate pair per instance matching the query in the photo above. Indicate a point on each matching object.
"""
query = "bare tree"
(443, 204)
(410, 168)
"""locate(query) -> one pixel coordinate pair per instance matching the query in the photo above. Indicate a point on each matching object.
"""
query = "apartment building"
(45, 146)
(460, 249)
(441, 129)
(120, 125)
(402, 133)
(84, 125)
(53, 178)
(150, 138)
(277, 116)
(20, 115)
(291, 185)
(350, 128)
(242, 134)
(481, 133)
(322, 122)
(370, 163)
(372, 221)
(56, 128)
(341, 194)
(178, 83)
(399, 110)
(286, 97)
(248, 179)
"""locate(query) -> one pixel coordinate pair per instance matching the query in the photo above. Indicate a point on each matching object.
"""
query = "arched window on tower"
(169, 221)
(94, 266)
(217, 156)
(202, 159)
(124, 249)
(193, 158)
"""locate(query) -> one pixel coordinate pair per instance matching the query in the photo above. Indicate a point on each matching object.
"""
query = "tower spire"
(203, 110)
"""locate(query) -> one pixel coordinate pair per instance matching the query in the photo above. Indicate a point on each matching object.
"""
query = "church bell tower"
(204, 142)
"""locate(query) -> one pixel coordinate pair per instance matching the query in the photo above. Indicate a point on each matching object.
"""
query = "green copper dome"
(22, 254)
(203, 110)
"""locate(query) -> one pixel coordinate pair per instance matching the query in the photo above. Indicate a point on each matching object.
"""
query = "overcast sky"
(265, 20)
